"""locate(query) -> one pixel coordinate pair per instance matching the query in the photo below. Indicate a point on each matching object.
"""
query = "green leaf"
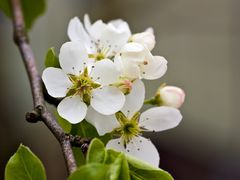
(79, 156)
(105, 138)
(118, 166)
(31, 10)
(93, 171)
(96, 152)
(51, 60)
(119, 169)
(63, 123)
(142, 170)
(111, 156)
(5, 7)
(85, 129)
(24, 165)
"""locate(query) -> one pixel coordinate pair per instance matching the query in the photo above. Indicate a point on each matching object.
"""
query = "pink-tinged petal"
(172, 96)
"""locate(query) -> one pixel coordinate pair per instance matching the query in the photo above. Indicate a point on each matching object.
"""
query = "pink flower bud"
(171, 96)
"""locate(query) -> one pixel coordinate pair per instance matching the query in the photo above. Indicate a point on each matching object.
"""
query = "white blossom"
(136, 61)
(129, 124)
(100, 39)
(82, 86)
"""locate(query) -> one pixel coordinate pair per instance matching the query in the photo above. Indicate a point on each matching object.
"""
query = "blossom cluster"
(100, 80)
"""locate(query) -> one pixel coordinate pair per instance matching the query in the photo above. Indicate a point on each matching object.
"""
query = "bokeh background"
(201, 41)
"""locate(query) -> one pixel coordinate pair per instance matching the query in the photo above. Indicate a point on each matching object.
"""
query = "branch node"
(39, 109)
(84, 147)
(33, 116)
(78, 141)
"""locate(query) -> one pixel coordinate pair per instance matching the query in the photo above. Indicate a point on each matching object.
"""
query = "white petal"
(116, 144)
(72, 109)
(56, 82)
(133, 52)
(111, 36)
(135, 99)
(118, 63)
(107, 100)
(138, 147)
(76, 32)
(128, 69)
(160, 118)
(117, 34)
(87, 22)
(146, 38)
(97, 29)
(120, 26)
(155, 68)
(102, 123)
(143, 149)
(105, 72)
(150, 30)
(73, 57)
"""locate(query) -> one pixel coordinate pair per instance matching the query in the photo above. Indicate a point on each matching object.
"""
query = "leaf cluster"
(108, 164)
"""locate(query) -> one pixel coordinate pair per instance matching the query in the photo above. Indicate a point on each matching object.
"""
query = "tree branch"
(40, 111)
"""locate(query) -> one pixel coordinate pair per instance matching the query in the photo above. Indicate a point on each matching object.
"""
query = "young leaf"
(142, 170)
(96, 152)
(92, 171)
(79, 157)
(149, 174)
(119, 168)
(24, 165)
(31, 10)
(111, 156)
(51, 60)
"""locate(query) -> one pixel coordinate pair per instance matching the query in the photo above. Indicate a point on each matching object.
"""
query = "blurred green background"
(200, 40)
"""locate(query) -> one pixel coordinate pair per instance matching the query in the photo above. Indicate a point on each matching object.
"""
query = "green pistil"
(98, 57)
(82, 86)
(128, 127)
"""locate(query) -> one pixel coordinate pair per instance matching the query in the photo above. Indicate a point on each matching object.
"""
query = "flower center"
(128, 127)
(98, 56)
(82, 86)
(124, 84)
(104, 50)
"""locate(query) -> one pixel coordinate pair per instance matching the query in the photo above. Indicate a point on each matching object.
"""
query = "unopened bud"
(171, 96)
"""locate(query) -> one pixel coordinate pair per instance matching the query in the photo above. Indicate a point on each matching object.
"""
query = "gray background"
(200, 40)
